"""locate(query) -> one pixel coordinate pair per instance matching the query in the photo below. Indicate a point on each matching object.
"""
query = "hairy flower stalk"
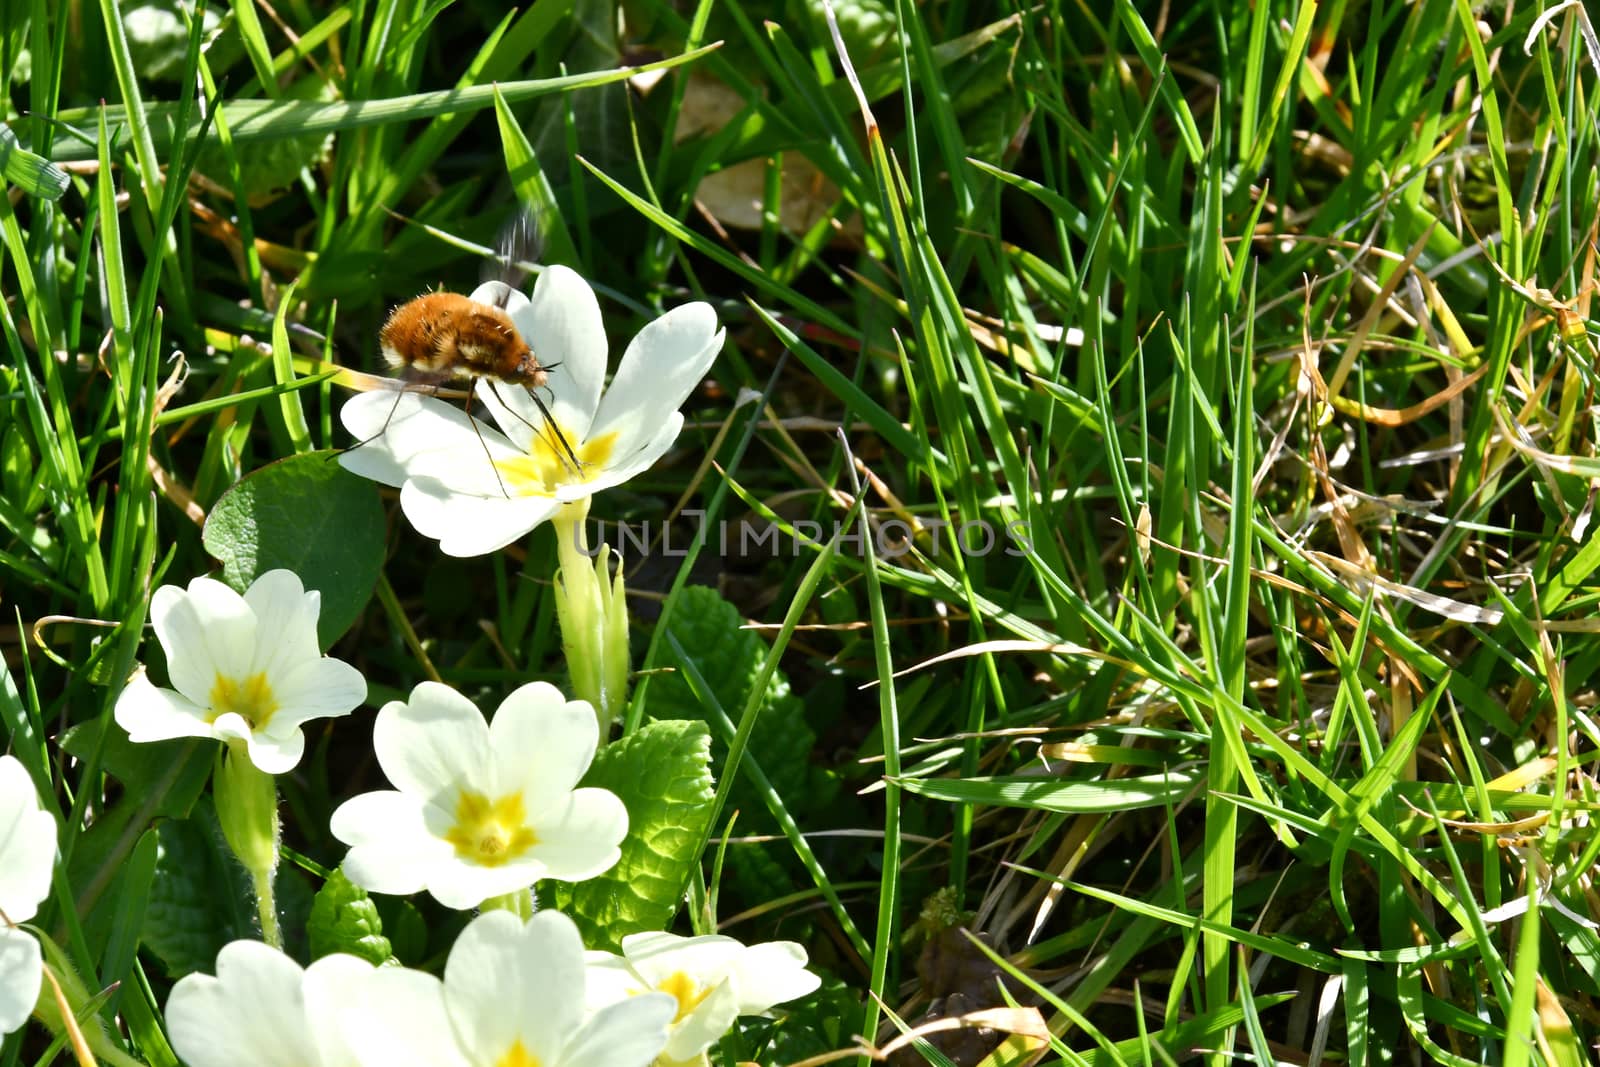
(247, 808)
(591, 605)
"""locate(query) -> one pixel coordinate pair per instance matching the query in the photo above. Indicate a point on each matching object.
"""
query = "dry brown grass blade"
(1320, 392)
(1400, 416)
(80, 1044)
(1363, 580)
(1369, 321)
(1582, 466)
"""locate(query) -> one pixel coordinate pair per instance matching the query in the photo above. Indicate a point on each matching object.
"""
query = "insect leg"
(561, 438)
(398, 393)
(550, 433)
(486, 453)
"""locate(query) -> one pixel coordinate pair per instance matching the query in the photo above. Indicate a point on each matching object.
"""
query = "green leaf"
(662, 772)
(729, 658)
(344, 919)
(533, 188)
(199, 899)
(310, 515)
(158, 39)
(266, 165)
(1050, 794)
(33, 174)
(257, 120)
(16, 465)
(166, 777)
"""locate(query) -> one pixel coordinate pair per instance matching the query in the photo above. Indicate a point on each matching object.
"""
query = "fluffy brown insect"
(447, 335)
(441, 336)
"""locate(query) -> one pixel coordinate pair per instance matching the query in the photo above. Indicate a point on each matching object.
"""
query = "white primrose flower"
(475, 489)
(27, 858)
(245, 669)
(713, 980)
(481, 809)
(512, 996)
(262, 1010)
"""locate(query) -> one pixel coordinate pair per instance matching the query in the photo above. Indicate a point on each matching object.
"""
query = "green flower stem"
(267, 907)
(592, 608)
(519, 903)
(247, 808)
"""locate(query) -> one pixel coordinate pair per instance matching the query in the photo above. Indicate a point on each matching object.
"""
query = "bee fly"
(440, 337)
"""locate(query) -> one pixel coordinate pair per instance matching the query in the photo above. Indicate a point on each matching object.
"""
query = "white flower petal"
(399, 1019)
(541, 744)
(607, 979)
(206, 630)
(391, 850)
(230, 726)
(392, 428)
(286, 622)
(562, 325)
(470, 470)
(331, 986)
(705, 1025)
(707, 959)
(470, 526)
(21, 974)
(622, 468)
(513, 409)
(316, 688)
(27, 843)
(509, 981)
(461, 885)
(274, 755)
(661, 367)
(252, 1012)
(497, 293)
(630, 1033)
(433, 743)
(581, 842)
(772, 973)
(150, 713)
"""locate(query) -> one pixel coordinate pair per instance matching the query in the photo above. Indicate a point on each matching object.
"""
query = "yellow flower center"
(685, 991)
(546, 466)
(490, 832)
(517, 1056)
(250, 698)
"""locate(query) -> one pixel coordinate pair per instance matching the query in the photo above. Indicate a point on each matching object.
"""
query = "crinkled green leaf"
(405, 928)
(663, 775)
(158, 37)
(729, 658)
(344, 919)
(804, 1028)
(755, 871)
(200, 897)
(273, 164)
(867, 26)
(312, 516)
